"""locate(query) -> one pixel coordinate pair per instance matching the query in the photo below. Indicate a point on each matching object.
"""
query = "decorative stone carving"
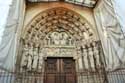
(96, 55)
(86, 59)
(29, 65)
(58, 38)
(35, 58)
(91, 58)
(25, 54)
(58, 35)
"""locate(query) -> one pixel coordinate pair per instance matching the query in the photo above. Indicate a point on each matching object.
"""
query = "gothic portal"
(59, 40)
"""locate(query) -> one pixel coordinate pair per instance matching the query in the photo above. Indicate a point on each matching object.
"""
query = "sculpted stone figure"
(96, 54)
(29, 66)
(91, 58)
(40, 61)
(35, 58)
(24, 56)
(63, 38)
(86, 61)
(55, 38)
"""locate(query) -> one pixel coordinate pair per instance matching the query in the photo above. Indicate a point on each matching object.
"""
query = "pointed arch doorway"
(60, 70)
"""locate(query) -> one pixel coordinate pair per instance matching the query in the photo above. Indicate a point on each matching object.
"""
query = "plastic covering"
(88, 3)
(9, 35)
(111, 35)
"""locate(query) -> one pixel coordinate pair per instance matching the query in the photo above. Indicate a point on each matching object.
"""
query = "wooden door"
(60, 70)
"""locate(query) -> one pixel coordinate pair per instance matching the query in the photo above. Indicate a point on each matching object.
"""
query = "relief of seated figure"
(58, 38)
(55, 38)
(63, 38)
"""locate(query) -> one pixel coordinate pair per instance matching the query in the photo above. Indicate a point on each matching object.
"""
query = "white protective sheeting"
(111, 35)
(41, 0)
(4, 9)
(88, 3)
(9, 38)
(120, 11)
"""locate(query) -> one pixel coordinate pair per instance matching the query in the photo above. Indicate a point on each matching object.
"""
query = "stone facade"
(59, 32)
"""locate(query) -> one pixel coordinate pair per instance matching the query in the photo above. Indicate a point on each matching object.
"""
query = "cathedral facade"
(63, 42)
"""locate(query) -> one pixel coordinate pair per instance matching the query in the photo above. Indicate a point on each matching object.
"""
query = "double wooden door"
(60, 70)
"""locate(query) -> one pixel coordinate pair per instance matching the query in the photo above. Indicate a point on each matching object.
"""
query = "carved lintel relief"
(59, 32)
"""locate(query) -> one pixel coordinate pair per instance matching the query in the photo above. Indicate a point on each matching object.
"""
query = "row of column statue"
(32, 59)
(90, 57)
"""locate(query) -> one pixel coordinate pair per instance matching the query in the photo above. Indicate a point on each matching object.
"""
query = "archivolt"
(58, 19)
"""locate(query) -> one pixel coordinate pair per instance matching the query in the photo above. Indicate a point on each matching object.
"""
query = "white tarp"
(4, 9)
(41, 0)
(9, 37)
(111, 35)
(119, 6)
